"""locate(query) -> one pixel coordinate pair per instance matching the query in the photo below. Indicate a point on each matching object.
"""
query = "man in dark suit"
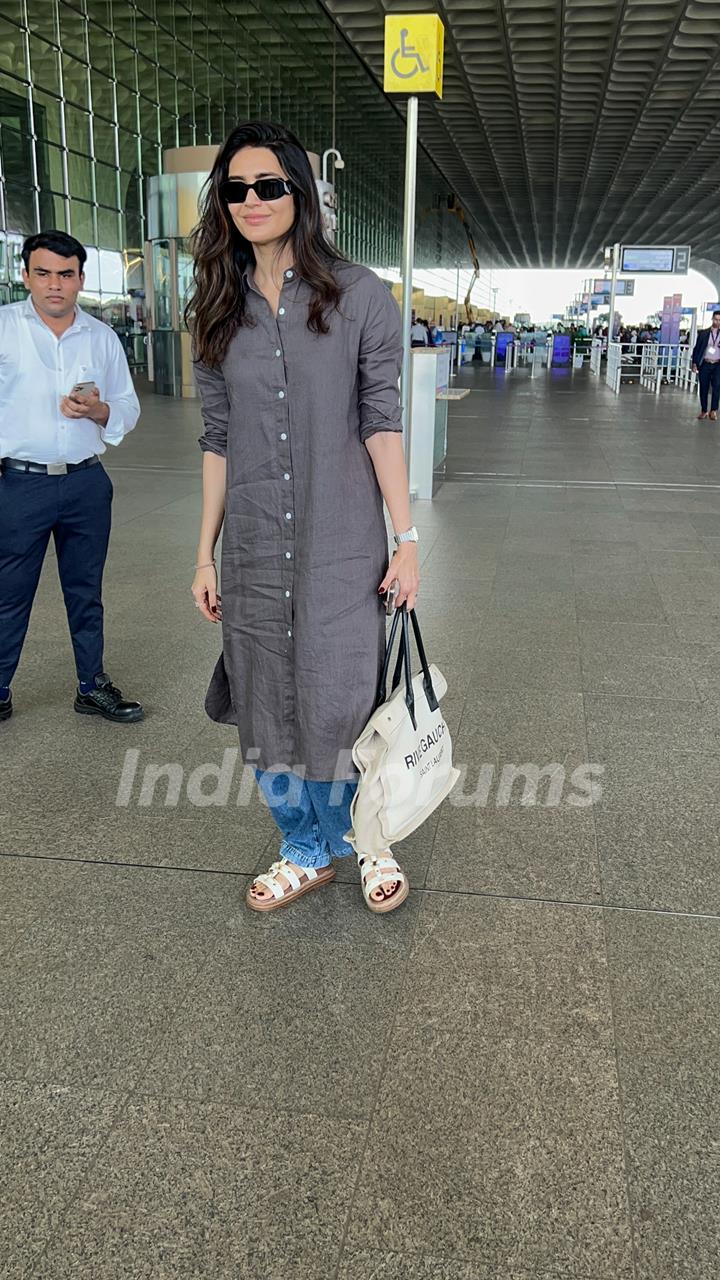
(706, 364)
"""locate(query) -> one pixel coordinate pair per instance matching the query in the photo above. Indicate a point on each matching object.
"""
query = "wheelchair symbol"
(406, 51)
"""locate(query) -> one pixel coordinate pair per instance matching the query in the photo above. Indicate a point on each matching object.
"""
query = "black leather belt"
(49, 469)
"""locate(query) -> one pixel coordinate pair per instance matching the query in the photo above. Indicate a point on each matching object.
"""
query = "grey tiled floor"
(516, 1076)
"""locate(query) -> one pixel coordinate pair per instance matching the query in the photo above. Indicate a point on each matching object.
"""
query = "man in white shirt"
(65, 394)
(418, 335)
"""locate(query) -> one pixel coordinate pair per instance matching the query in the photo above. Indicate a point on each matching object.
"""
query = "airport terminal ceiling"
(567, 124)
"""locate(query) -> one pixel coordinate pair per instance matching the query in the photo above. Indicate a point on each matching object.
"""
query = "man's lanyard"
(714, 340)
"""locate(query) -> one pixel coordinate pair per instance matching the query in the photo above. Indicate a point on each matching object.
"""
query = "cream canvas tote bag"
(404, 754)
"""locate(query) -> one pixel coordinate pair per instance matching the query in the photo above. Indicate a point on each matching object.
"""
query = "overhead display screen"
(624, 288)
(647, 258)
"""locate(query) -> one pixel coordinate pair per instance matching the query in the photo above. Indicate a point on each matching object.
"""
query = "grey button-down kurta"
(304, 541)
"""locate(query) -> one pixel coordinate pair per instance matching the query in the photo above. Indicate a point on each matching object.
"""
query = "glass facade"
(93, 91)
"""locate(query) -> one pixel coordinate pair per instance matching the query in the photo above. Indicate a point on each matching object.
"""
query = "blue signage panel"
(502, 342)
(561, 349)
(647, 258)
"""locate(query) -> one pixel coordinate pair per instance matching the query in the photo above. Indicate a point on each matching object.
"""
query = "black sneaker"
(107, 701)
(6, 708)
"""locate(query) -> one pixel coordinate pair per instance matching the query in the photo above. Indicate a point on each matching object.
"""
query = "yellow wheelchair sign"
(414, 53)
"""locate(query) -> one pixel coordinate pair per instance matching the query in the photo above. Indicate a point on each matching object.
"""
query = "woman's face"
(260, 221)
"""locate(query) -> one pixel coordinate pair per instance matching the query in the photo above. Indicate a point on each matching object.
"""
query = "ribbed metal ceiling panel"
(567, 124)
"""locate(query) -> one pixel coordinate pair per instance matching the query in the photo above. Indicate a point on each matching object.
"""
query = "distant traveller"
(706, 364)
(418, 334)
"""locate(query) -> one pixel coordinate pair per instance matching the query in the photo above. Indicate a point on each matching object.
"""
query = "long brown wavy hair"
(217, 305)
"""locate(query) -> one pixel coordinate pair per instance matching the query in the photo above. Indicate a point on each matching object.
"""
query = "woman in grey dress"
(297, 359)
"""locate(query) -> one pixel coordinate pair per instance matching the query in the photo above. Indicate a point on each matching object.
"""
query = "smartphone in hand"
(390, 597)
(84, 389)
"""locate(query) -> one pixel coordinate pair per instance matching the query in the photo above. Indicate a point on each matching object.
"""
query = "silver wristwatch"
(410, 535)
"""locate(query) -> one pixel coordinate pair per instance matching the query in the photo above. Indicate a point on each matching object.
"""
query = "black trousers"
(709, 378)
(75, 509)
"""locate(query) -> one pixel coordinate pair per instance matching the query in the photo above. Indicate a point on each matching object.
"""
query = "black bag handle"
(427, 678)
(388, 651)
(409, 694)
(404, 660)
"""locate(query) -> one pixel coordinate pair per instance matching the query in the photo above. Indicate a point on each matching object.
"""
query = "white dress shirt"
(712, 350)
(37, 370)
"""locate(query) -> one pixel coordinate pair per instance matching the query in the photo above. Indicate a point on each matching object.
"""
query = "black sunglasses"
(233, 191)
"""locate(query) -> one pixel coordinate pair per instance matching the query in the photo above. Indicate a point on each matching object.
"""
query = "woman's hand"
(205, 593)
(405, 570)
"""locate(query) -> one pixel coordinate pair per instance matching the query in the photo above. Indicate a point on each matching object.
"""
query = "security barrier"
(667, 364)
(624, 364)
(652, 364)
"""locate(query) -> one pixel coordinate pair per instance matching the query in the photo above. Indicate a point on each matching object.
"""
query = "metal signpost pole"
(408, 258)
(413, 65)
(613, 291)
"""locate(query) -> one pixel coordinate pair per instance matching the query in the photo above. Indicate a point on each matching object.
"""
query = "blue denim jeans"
(312, 816)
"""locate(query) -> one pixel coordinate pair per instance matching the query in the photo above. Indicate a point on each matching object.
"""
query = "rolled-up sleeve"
(215, 408)
(379, 365)
(119, 393)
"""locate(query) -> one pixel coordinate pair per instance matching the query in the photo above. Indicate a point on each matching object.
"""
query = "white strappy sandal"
(377, 871)
(282, 895)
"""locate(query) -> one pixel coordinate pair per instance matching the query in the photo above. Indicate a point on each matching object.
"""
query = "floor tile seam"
(61, 1218)
(456, 736)
(119, 1111)
(581, 904)
(311, 1108)
(517, 480)
(576, 903)
(626, 1158)
(378, 1092)
(151, 511)
(596, 841)
(609, 1001)
(152, 469)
